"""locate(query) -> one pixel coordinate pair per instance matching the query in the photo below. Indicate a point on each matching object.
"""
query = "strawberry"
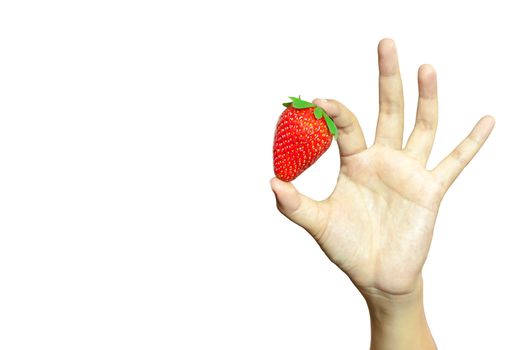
(303, 133)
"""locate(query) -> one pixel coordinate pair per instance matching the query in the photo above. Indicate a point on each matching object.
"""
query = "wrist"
(398, 321)
(387, 306)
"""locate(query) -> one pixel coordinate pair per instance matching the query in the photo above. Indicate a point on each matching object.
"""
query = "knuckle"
(474, 139)
(391, 107)
(425, 124)
(459, 156)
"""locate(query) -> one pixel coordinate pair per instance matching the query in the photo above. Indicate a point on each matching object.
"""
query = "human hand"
(377, 225)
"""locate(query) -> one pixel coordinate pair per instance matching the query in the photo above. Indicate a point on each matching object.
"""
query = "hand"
(377, 225)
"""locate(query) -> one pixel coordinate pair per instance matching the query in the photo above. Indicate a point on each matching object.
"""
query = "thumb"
(295, 206)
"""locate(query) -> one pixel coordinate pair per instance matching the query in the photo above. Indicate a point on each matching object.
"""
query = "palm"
(377, 224)
(380, 219)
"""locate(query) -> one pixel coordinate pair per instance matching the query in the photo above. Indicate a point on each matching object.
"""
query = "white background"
(135, 155)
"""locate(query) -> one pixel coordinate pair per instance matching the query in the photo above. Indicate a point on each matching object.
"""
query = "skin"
(378, 223)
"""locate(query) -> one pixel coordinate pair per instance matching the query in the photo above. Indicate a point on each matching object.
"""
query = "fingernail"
(323, 100)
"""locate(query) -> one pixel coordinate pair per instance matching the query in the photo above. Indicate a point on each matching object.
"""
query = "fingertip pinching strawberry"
(303, 133)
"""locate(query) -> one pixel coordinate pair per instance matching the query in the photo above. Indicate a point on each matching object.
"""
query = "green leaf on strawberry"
(319, 112)
(300, 104)
(331, 125)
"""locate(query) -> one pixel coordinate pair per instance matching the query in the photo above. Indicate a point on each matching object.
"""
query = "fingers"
(296, 207)
(450, 167)
(391, 103)
(420, 142)
(350, 139)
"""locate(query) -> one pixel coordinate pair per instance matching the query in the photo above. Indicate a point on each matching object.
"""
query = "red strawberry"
(303, 133)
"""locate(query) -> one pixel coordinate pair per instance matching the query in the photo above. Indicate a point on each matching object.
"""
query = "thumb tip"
(275, 183)
(286, 195)
(279, 186)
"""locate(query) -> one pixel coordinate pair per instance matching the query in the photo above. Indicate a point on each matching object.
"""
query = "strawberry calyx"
(319, 112)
